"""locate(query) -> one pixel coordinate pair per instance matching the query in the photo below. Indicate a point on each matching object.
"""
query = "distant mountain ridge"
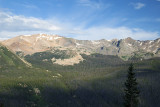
(127, 48)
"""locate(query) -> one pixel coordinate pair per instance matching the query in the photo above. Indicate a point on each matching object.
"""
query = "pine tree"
(131, 90)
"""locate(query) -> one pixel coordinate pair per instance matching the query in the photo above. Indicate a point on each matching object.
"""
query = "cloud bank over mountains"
(12, 25)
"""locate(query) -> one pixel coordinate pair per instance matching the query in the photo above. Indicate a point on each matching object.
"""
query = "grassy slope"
(97, 82)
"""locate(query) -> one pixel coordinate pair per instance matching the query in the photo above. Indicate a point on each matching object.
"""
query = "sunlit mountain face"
(126, 49)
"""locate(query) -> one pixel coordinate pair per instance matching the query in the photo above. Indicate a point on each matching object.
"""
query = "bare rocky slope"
(126, 49)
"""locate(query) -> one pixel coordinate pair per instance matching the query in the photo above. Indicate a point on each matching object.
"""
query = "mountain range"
(126, 49)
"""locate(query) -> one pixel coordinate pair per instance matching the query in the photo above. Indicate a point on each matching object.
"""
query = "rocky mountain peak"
(129, 38)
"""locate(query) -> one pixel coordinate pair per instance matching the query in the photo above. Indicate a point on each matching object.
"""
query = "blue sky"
(81, 19)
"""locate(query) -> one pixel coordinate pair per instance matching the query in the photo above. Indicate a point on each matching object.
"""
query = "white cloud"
(96, 33)
(158, 20)
(138, 6)
(25, 23)
(88, 3)
(13, 25)
(29, 6)
(25, 5)
(93, 4)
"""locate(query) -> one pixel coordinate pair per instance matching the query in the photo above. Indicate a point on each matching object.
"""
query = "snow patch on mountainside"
(95, 42)
(129, 44)
(78, 44)
(27, 35)
(47, 37)
(57, 37)
(150, 42)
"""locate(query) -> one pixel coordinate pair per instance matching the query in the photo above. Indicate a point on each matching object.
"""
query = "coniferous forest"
(98, 81)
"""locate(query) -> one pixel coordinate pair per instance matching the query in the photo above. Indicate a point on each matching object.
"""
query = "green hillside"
(98, 81)
(9, 61)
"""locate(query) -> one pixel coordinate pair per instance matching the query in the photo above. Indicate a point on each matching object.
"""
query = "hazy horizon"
(3, 39)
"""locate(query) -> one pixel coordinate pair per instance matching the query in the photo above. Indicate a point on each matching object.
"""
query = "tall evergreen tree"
(131, 90)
